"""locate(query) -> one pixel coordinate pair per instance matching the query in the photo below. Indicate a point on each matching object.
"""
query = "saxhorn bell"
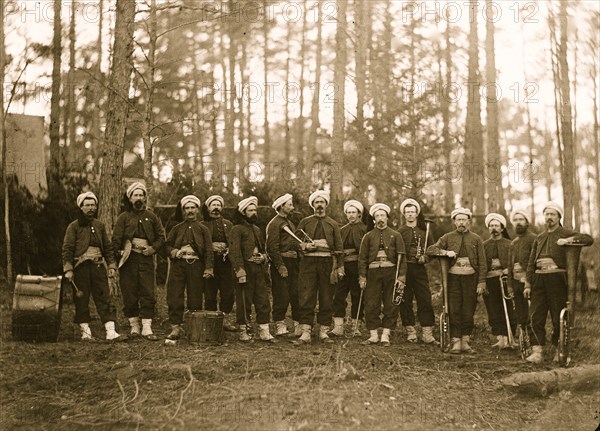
(444, 316)
(567, 316)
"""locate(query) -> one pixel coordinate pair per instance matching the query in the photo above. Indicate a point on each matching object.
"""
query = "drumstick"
(78, 293)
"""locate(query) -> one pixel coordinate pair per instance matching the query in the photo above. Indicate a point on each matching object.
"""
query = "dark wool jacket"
(473, 244)
(77, 240)
(126, 226)
(519, 251)
(202, 244)
(332, 234)
(407, 236)
(212, 226)
(557, 252)
(279, 241)
(503, 246)
(353, 233)
(393, 246)
(242, 240)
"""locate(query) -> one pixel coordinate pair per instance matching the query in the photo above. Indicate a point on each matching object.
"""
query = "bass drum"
(37, 308)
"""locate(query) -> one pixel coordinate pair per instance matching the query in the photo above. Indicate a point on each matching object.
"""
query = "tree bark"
(71, 106)
(445, 107)
(288, 134)
(544, 383)
(311, 146)
(495, 190)
(54, 171)
(230, 129)
(7, 245)
(473, 184)
(361, 63)
(300, 126)
(267, 132)
(117, 113)
(339, 120)
(147, 122)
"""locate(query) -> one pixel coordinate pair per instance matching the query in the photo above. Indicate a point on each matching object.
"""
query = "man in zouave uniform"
(223, 281)
(248, 257)
(466, 277)
(496, 252)
(381, 266)
(283, 250)
(352, 235)
(139, 235)
(518, 258)
(417, 282)
(86, 253)
(546, 281)
(189, 246)
(320, 269)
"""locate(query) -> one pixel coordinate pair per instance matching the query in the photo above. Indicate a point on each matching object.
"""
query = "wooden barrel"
(204, 326)
(37, 307)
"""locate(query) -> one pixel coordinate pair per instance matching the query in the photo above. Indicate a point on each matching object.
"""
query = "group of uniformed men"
(316, 261)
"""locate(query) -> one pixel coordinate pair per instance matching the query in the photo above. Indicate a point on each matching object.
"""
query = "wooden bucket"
(204, 326)
(37, 307)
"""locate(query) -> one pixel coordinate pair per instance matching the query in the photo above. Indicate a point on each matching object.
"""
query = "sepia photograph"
(286, 215)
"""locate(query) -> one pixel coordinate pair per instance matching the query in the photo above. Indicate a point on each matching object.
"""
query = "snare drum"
(37, 307)
(204, 326)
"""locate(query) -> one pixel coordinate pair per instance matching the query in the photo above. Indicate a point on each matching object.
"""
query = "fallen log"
(543, 383)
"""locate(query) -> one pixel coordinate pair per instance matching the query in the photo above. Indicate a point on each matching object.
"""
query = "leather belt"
(351, 258)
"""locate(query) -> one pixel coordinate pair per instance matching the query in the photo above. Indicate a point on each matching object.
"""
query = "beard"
(252, 219)
(520, 230)
(139, 205)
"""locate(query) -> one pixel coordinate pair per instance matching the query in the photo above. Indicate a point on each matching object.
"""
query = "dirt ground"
(71, 385)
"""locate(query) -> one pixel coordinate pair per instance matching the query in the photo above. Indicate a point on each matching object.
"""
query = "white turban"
(84, 196)
(190, 198)
(318, 194)
(463, 211)
(135, 186)
(554, 206)
(281, 200)
(379, 206)
(495, 216)
(356, 204)
(245, 203)
(213, 198)
(408, 202)
(521, 212)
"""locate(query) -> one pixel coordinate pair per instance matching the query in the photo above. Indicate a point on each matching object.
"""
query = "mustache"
(216, 211)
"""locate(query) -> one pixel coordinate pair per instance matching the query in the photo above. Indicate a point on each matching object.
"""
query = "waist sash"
(462, 266)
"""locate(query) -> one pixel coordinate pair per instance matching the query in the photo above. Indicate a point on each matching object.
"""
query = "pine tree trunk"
(593, 76)
(445, 106)
(74, 154)
(361, 63)
(311, 146)
(300, 126)
(98, 91)
(287, 131)
(147, 123)
(339, 121)
(230, 129)
(267, 132)
(7, 245)
(54, 171)
(495, 190)
(473, 184)
(117, 113)
(577, 201)
(566, 118)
